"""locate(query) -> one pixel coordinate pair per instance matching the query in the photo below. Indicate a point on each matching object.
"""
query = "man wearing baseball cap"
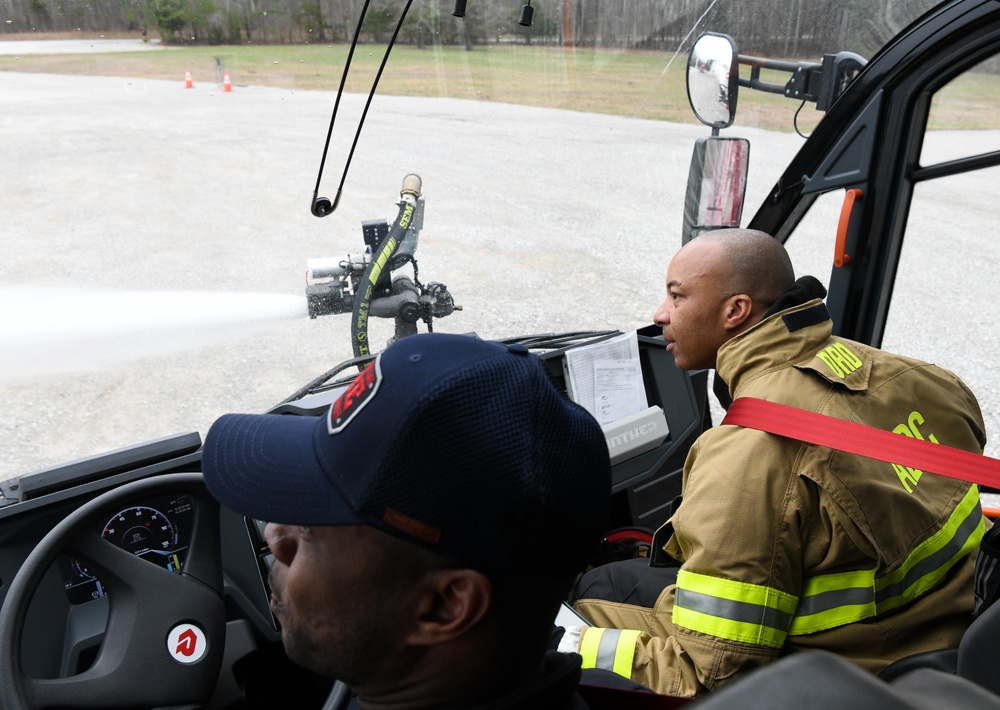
(427, 527)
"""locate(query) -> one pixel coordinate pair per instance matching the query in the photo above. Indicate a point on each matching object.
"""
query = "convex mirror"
(713, 79)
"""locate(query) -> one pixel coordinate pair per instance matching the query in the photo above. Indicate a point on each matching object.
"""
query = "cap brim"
(264, 466)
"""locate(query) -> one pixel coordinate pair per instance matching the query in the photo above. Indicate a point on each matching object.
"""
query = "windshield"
(159, 161)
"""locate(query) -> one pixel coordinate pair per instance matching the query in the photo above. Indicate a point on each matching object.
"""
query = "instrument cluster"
(157, 530)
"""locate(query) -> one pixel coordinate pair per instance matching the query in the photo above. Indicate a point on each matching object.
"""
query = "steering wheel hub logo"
(187, 643)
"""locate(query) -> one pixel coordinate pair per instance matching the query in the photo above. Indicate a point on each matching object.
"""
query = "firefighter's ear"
(451, 603)
(737, 311)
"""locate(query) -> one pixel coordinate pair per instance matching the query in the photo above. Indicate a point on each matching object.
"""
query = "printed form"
(605, 378)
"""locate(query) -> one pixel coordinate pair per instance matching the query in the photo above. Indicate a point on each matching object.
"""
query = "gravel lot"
(154, 242)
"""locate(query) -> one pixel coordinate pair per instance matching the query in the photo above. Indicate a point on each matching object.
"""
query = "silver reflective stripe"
(733, 610)
(825, 601)
(606, 649)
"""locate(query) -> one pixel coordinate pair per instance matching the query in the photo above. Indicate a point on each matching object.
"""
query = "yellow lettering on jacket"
(853, 360)
(825, 357)
(907, 475)
(840, 360)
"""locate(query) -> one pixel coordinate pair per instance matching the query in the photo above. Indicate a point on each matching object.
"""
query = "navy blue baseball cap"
(460, 445)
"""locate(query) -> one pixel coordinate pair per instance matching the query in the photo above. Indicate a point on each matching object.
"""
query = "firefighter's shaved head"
(754, 263)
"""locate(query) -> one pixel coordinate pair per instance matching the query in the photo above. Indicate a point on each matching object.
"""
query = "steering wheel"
(165, 635)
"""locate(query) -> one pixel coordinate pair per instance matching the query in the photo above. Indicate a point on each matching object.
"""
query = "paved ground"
(167, 230)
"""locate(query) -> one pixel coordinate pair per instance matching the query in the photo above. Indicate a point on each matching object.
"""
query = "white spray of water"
(59, 330)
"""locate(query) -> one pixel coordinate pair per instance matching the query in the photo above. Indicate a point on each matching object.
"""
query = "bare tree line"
(773, 27)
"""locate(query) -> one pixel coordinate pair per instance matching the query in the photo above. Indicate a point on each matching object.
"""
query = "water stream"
(46, 331)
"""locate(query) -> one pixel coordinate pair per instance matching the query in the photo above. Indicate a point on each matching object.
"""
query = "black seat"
(944, 659)
(979, 649)
(820, 680)
(975, 657)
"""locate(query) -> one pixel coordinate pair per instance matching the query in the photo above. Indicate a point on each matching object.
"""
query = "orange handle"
(840, 257)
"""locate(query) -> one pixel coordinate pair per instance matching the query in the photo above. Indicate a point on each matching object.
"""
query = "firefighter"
(780, 546)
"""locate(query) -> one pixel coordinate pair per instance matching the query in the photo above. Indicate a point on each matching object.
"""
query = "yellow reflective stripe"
(609, 649)
(728, 629)
(933, 558)
(837, 599)
(837, 582)
(733, 610)
(589, 645)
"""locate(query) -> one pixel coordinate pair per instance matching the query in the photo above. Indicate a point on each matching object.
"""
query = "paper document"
(605, 378)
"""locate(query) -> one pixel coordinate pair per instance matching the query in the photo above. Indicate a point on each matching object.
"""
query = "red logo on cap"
(355, 397)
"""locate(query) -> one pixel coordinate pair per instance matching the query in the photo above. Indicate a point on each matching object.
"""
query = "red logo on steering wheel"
(187, 643)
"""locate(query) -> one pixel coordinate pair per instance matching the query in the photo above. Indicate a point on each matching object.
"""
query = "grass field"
(632, 83)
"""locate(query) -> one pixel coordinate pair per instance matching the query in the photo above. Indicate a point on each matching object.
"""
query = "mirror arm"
(822, 82)
(756, 84)
(803, 77)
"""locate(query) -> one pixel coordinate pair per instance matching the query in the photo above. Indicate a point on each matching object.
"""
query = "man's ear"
(737, 312)
(452, 602)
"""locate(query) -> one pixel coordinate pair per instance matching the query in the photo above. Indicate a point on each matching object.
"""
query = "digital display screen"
(265, 559)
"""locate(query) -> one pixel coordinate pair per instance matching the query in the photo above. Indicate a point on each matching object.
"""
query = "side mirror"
(717, 183)
(713, 79)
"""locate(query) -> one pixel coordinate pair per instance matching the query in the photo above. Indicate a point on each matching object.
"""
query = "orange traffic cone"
(188, 84)
(226, 84)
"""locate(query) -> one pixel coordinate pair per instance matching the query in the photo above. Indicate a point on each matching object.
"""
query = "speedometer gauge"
(145, 532)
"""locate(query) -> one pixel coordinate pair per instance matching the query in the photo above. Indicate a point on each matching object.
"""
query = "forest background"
(772, 27)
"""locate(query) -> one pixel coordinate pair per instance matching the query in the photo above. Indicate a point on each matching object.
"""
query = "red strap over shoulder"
(854, 438)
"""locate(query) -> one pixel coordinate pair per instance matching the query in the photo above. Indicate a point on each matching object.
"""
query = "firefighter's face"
(341, 611)
(692, 316)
